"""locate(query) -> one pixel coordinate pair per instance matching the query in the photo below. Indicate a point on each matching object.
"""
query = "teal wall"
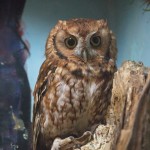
(127, 19)
(133, 31)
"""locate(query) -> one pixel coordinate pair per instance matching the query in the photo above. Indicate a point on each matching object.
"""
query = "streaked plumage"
(73, 89)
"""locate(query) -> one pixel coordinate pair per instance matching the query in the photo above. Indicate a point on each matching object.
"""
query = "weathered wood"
(137, 80)
(141, 129)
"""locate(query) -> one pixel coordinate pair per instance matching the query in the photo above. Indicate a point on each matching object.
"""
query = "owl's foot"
(71, 143)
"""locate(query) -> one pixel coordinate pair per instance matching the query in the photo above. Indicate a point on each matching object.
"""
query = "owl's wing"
(46, 71)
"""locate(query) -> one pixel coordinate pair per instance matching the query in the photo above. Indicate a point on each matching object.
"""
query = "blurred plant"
(147, 2)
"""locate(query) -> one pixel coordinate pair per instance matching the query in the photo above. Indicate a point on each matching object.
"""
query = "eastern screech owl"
(73, 89)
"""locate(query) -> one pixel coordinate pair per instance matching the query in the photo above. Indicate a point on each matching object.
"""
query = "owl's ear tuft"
(61, 22)
(102, 22)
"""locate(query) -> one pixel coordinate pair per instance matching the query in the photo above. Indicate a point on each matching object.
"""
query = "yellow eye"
(71, 42)
(95, 41)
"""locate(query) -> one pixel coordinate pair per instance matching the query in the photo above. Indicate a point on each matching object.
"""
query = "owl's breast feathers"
(70, 97)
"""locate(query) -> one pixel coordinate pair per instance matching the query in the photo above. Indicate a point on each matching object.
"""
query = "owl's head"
(82, 39)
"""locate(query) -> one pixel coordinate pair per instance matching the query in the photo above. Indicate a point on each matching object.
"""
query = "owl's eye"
(95, 41)
(71, 42)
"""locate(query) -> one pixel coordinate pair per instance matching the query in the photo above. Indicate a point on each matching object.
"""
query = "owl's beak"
(84, 55)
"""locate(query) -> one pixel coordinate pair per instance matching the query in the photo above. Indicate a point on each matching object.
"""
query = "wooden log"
(136, 128)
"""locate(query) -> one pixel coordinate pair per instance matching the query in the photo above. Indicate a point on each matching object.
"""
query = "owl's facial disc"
(85, 41)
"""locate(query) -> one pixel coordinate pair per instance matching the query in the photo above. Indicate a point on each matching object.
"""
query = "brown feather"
(72, 94)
